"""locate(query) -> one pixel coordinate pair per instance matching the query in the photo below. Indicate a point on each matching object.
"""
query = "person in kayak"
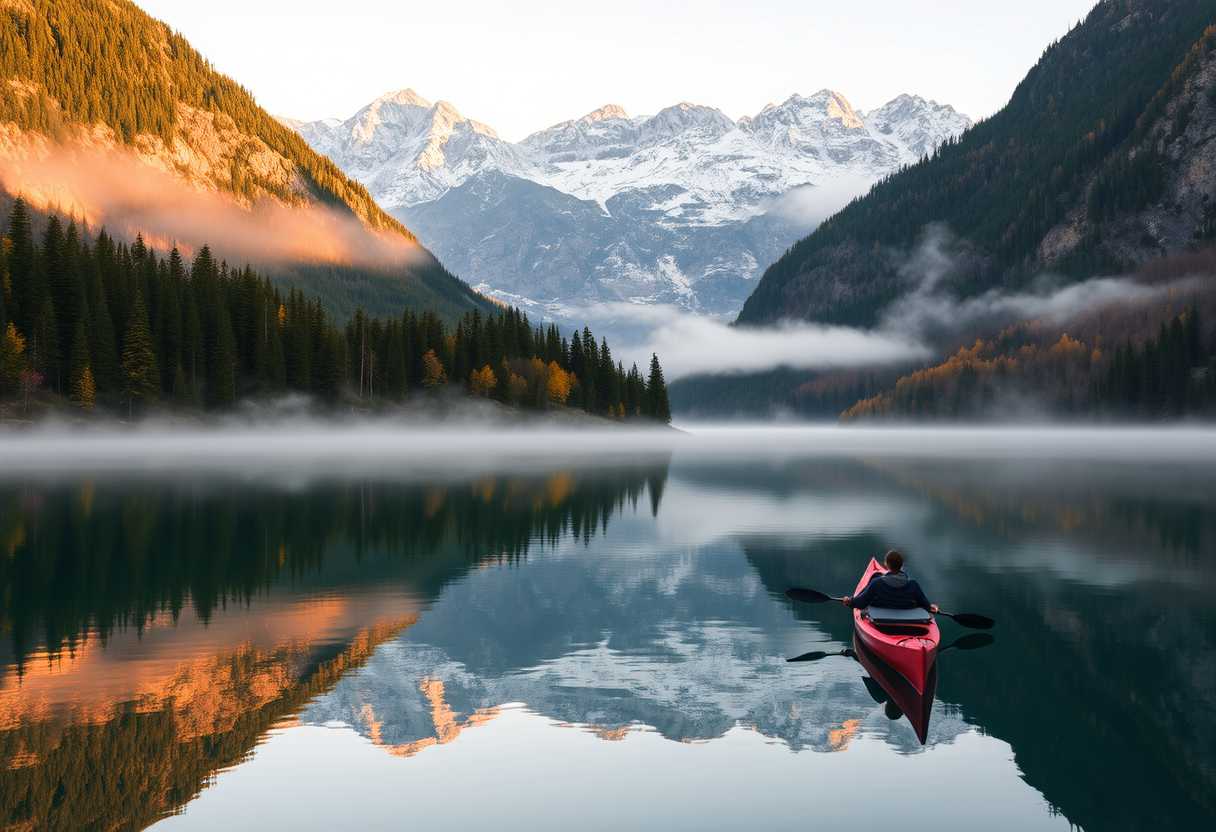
(892, 590)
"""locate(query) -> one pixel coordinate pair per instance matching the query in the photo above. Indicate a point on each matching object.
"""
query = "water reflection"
(167, 631)
(154, 630)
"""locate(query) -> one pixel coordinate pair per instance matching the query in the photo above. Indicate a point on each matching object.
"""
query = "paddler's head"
(894, 561)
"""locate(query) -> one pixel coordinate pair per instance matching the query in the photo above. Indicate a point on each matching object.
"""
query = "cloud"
(915, 326)
(112, 187)
(929, 310)
(809, 205)
(688, 343)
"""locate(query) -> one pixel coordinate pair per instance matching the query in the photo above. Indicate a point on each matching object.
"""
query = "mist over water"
(398, 447)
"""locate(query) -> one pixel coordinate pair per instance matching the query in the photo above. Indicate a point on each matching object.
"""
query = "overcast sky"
(524, 65)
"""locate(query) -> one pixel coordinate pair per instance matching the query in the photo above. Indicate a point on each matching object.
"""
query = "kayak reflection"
(888, 687)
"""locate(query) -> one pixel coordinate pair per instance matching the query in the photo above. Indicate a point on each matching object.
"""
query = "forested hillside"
(101, 322)
(69, 68)
(1099, 162)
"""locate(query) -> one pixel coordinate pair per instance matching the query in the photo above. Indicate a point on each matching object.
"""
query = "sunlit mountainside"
(108, 114)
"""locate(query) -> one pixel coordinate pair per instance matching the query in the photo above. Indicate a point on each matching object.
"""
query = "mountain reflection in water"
(163, 637)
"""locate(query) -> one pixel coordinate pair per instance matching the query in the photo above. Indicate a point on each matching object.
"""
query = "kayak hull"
(908, 649)
(917, 706)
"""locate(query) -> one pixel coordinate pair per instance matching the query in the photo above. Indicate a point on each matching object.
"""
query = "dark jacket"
(894, 591)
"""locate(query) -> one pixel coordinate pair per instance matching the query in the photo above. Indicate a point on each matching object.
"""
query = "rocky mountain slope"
(109, 114)
(685, 206)
(1100, 161)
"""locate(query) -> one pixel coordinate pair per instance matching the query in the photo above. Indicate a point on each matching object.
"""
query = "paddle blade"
(807, 596)
(975, 622)
(974, 641)
(813, 656)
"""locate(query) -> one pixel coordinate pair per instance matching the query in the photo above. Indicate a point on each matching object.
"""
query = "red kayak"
(906, 640)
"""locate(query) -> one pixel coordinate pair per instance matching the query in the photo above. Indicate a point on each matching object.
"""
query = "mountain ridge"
(661, 185)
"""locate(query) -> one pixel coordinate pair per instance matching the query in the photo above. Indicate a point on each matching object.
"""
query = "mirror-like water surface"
(577, 638)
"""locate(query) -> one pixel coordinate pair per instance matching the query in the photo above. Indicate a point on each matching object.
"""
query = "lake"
(259, 629)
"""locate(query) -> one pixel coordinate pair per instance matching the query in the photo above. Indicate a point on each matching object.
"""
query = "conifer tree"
(103, 349)
(26, 301)
(658, 407)
(141, 378)
(221, 378)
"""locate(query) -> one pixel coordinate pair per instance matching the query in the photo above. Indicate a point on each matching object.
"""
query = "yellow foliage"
(85, 391)
(559, 383)
(12, 358)
(433, 374)
(1067, 346)
(282, 316)
(482, 382)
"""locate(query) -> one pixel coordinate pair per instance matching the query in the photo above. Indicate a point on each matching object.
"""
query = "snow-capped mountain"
(686, 206)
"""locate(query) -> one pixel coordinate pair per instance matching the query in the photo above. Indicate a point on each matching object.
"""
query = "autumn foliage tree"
(433, 374)
(482, 382)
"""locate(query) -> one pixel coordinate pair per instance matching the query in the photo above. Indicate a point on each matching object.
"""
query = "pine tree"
(657, 405)
(103, 349)
(141, 378)
(23, 289)
(221, 378)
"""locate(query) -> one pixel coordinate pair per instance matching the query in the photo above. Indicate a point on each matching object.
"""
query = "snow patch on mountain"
(686, 206)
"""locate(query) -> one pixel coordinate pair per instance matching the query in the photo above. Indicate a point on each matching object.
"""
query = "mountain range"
(683, 207)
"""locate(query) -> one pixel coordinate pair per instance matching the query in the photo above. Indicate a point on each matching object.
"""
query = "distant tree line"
(102, 322)
(1170, 374)
(1020, 373)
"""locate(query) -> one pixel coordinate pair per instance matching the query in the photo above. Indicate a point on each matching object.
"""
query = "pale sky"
(524, 65)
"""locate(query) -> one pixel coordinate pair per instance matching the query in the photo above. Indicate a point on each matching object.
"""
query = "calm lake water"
(233, 633)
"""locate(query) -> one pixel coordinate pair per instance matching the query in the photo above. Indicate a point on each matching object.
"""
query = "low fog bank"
(404, 447)
(128, 194)
(926, 319)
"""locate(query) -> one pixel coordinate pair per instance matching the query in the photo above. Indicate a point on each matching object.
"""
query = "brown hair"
(894, 560)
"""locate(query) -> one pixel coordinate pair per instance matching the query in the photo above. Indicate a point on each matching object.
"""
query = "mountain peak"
(405, 96)
(685, 115)
(608, 111)
(833, 104)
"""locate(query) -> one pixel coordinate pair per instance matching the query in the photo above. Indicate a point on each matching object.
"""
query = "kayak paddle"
(816, 655)
(814, 596)
(809, 596)
(970, 619)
